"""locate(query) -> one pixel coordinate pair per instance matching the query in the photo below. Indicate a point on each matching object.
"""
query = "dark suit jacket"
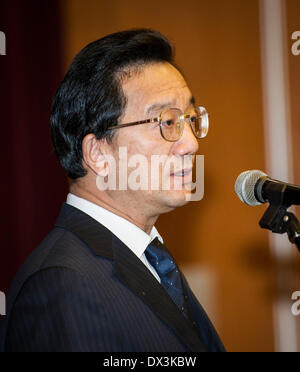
(82, 289)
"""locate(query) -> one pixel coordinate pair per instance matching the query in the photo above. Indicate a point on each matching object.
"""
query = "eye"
(193, 119)
(168, 123)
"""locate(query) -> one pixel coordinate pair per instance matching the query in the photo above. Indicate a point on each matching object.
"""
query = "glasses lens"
(171, 125)
(200, 122)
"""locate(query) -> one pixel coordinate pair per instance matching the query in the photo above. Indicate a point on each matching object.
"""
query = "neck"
(102, 199)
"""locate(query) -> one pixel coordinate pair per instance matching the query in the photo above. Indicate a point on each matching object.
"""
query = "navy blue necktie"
(158, 256)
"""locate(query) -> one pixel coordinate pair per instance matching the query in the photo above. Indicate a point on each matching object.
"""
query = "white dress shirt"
(131, 235)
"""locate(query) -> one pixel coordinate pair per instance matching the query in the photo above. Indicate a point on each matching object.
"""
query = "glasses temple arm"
(135, 123)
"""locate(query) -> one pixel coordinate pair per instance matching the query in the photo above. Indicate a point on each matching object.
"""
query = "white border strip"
(278, 145)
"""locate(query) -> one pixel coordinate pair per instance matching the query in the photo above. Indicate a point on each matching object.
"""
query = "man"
(103, 280)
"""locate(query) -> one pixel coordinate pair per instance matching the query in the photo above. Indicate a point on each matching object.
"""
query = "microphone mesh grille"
(245, 186)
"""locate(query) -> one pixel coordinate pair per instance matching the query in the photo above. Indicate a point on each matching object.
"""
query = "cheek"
(144, 141)
(140, 148)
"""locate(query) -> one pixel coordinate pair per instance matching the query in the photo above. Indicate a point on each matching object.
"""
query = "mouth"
(182, 173)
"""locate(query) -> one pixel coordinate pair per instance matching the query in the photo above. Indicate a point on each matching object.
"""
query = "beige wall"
(293, 11)
(218, 47)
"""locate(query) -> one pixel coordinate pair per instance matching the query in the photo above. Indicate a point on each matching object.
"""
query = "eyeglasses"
(171, 123)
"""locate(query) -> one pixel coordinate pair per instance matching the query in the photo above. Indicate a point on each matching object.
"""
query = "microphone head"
(245, 186)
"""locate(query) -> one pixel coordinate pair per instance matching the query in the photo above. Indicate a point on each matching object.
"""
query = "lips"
(182, 173)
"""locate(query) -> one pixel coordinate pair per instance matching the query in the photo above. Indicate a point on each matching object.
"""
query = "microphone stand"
(292, 228)
(280, 221)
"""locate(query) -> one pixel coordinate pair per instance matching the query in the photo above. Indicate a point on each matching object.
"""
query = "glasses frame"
(158, 119)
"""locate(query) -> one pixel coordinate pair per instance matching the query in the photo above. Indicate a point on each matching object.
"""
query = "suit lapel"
(129, 269)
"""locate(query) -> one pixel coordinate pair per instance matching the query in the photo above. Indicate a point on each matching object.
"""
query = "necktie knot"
(159, 258)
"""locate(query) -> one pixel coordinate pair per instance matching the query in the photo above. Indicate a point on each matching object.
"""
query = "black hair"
(90, 98)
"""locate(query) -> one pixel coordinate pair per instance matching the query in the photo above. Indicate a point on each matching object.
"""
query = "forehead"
(156, 85)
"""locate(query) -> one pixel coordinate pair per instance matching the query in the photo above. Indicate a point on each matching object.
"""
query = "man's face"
(156, 87)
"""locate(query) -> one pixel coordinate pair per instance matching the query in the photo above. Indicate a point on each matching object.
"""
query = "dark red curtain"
(32, 184)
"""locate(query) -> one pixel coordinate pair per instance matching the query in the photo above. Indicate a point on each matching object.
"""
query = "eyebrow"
(161, 106)
(158, 107)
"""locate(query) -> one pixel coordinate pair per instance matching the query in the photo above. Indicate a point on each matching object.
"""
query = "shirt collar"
(132, 236)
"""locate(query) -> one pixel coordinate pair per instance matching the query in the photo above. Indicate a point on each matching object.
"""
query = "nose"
(188, 143)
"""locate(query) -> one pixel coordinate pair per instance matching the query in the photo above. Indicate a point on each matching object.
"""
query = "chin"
(176, 199)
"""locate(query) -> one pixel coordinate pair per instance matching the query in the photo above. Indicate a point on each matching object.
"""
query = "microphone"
(254, 187)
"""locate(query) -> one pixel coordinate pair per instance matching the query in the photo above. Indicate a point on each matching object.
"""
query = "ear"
(94, 154)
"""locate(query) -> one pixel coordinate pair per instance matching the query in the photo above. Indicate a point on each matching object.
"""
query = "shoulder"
(62, 264)
(67, 250)
(63, 248)
(60, 249)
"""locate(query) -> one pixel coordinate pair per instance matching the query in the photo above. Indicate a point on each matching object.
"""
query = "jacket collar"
(130, 271)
